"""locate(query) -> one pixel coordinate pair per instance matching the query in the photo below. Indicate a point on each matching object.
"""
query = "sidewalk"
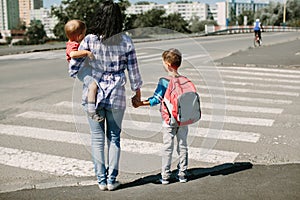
(228, 181)
(5, 50)
(279, 55)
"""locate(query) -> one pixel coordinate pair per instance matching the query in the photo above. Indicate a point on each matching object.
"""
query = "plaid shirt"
(109, 68)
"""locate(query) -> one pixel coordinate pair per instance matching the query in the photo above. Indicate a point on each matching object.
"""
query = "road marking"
(198, 132)
(158, 55)
(241, 90)
(204, 105)
(237, 98)
(19, 158)
(261, 69)
(288, 76)
(249, 77)
(35, 55)
(211, 118)
(253, 109)
(195, 56)
(227, 107)
(262, 85)
(254, 78)
(45, 163)
(251, 84)
(151, 126)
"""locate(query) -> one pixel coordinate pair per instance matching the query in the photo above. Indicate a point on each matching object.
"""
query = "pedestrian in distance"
(75, 31)
(173, 126)
(114, 54)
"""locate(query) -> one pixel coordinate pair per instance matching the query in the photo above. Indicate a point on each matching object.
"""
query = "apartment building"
(238, 6)
(9, 14)
(44, 15)
(186, 10)
(25, 7)
(220, 10)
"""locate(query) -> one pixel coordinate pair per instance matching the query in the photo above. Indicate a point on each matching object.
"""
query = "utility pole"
(284, 12)
(227, 13)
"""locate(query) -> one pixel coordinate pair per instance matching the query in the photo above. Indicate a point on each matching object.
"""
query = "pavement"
(283, 55)
(227, 181)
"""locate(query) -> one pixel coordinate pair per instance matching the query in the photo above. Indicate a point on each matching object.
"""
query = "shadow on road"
(193, 174)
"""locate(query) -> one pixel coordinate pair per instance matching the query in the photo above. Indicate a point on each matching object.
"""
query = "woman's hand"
(136, 103)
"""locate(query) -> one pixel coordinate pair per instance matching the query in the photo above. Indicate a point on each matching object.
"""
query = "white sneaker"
(113, 186)
(182, 179)
(164, 181)
(102, 187)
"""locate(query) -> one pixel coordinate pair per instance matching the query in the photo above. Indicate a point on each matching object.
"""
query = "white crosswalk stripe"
(249, 69)
(127, 145)
(204, 105)
(46, 163)
(237, 98)
(152, 126)
(81, 119)
(249, 75)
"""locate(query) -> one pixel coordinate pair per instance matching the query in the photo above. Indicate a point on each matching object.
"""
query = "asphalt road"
(255, 156)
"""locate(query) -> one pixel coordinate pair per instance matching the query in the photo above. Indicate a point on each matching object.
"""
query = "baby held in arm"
(75, 31)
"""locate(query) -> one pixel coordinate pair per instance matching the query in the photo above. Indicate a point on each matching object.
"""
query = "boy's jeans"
(168, 145)
(113, 121)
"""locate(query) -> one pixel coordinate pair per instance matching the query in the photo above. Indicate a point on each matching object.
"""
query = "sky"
(48, 3)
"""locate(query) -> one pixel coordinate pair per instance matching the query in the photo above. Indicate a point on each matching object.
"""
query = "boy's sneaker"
(164, 181)
(182, 178)
(94, 116)
(102, 187)
(113, 186)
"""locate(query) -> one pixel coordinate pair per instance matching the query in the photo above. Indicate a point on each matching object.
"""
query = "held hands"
(136, 102)
(136, 99)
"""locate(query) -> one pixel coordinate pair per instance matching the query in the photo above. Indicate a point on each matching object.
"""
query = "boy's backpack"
(181, 103)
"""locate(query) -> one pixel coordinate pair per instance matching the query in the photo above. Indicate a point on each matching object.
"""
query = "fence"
(210, 30)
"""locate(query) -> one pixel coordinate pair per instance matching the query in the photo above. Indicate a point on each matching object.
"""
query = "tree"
(197, 26)
(78, 9)
(36, 33)
(158, 18)
(273, 14)
(175, 22)
(151, 18)
(250, 17)
(293, 12)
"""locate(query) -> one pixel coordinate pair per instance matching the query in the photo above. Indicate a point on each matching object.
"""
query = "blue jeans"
(110, 130)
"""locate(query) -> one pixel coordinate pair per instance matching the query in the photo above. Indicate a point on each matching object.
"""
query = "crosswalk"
(254, 96)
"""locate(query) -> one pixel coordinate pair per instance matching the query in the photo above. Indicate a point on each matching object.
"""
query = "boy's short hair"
(73, 28)
(172, 56)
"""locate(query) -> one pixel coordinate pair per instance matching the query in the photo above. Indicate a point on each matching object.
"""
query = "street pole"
(227, 13)
(284, 12)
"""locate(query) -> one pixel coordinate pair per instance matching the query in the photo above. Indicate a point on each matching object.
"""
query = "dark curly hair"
(108, 22)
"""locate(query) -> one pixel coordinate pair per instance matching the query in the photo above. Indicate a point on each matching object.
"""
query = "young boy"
(75, 31)
(171, 62)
